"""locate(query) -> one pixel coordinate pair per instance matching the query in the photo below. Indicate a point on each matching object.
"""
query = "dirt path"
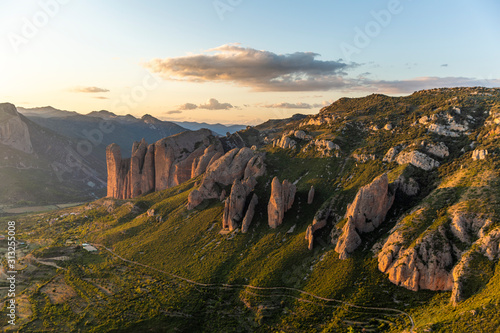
(48, 263)
(242, 286)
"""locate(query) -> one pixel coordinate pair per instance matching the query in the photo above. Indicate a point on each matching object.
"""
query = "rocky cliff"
(166, 163)
(13, 131)
(365, 213)
(238, 164)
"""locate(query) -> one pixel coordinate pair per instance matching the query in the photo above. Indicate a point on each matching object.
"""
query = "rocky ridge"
(166, 163)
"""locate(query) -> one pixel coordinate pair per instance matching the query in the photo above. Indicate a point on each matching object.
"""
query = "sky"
(239, 61)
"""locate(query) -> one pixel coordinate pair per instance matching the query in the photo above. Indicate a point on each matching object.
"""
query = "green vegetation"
(173, 270)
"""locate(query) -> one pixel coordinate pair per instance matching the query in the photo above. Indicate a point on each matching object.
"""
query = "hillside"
(378, 213)
(39, 166)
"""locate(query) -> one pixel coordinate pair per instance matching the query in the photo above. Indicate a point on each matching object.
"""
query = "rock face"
(235, 204)
(418, 159)
(423, 266)
(285, 142)
(242, 164)
(169, 162)
(318, 120)
(176, 155)
(407, 186)
(363, 158)
(434, 261)
(249, 214)
(439, 149)
(392, 153)
(282, 197)
(319, 222)
(13, 130)
(365, 213)
(310, 195)
(479, 154)
(325, 147)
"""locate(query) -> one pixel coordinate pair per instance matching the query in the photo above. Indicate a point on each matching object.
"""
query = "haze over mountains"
(56, 156)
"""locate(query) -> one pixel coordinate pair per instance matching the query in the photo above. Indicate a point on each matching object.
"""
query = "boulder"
(285, 142)
(234, 206)
(319, 222)
(407, 186)
(391, 154)
(418, 159)
(439, 150)
(310, 237)
(310, 195)
(363, 158)
(325, 147)
(249, 214)
(282, 198)
(348, 241)
(479, 154)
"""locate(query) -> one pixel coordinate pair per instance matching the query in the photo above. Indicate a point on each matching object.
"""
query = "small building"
(89, 248)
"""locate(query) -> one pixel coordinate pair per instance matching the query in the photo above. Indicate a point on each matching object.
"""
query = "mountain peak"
(149, 119)
(102, 114)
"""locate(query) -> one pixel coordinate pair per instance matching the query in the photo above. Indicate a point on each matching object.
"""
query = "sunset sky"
(239, 61)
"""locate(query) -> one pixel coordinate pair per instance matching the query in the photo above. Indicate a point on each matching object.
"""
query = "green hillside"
(163, 268)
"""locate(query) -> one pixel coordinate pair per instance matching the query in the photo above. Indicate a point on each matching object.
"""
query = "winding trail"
(241, 286)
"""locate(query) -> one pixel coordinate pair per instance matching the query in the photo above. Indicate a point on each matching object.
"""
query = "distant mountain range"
(125, 129)
(51, 156)
(217, 128)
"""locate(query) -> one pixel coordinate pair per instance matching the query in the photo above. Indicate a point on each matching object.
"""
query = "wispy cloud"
(444, 65)
(299, 105)
(420, 83)
(173, 112)
(188, 106)
(101, 97)
(257, 69)
(285, 105)
(89, 90)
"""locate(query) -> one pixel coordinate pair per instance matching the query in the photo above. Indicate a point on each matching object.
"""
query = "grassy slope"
(189, 244)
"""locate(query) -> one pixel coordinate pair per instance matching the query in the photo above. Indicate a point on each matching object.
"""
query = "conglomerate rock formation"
(166, 163)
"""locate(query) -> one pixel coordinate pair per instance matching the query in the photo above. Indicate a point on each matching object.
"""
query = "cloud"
(213, 104)
(420, 83)
(89, 90)
(300, 105)
(173, 112)
(444, 65)
(285, 105)
(188, 106)
(101, 97)
(257, 69)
